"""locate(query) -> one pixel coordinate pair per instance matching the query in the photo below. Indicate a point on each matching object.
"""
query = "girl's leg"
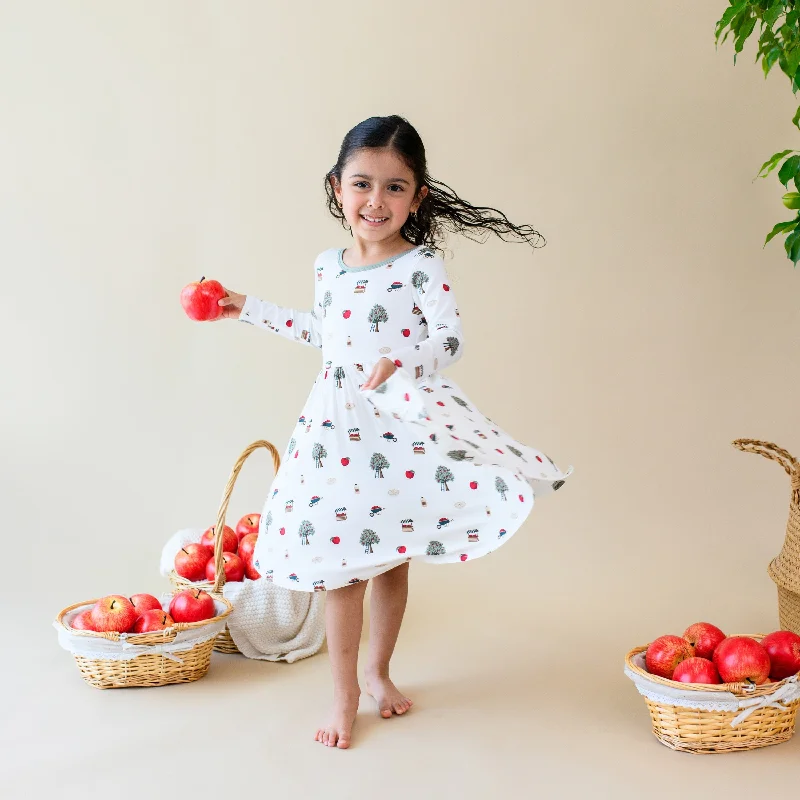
(344, 617)
(387, 606)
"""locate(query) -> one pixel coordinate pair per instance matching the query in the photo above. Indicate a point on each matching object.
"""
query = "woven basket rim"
(133, 638)
(740, 689)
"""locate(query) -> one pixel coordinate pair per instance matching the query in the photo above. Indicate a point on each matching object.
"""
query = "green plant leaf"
(792, 246)
(771, 163)
(796, 117)
(781, 227)
(792, 200)
(789, 170)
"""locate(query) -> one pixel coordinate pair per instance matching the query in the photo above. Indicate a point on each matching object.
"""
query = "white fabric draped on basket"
(268, 622)
(96, 647)
(785, 694)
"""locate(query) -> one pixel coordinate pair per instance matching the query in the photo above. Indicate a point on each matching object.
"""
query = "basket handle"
(219, 580)
(774, 453)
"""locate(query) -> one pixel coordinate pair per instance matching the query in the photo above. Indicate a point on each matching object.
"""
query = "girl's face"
(377, 185)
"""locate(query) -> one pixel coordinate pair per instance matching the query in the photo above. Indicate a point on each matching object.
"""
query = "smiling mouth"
(373, 220)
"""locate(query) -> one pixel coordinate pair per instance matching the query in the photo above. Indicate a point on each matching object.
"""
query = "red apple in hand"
(192, 605)
(191, 560)
(665, 653)
(246, 525)
(783, 649)
(246, 546)
(704, 637)
(230, 541)
(234, 568)
(696, 670)
(145, 602)
(83, 621)
(740, 658)
(200, 300)
(153, 620)
(113, 613)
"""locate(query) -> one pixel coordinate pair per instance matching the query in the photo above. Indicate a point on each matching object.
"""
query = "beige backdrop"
(145, 145)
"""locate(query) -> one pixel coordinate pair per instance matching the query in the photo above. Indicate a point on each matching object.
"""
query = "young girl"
(389, 461)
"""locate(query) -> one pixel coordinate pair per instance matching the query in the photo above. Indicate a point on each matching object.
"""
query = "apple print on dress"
(358, 317)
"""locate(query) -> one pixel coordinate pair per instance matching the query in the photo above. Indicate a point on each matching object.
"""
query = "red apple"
(335, 539)
(401, 549)
(200, 300)
(740, 658)
(346, 313)
(230, 541)
(250, 572)
(439, 403)
(192, 605)
(522, 498)
(704, 637)
(234, 568)
(83, 621)
(113, 613)
(696, 670)
(247, 524)
(409, 473)
(473, 484)
(246, 546)
(665, 653)
(406, 332)
(463, 556)
(289, 323)
(783, 649)
(282, 531)
(191, 560)
(345, 461)
(153, 620)
(145, 602)
(445, 287)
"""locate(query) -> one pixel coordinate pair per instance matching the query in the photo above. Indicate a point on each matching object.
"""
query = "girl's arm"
(445, 342)
(301, 326)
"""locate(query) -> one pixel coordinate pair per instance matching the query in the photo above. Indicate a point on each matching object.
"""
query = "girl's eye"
(395, 185)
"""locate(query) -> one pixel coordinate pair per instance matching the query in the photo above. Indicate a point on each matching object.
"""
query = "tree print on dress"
(338, 376)
(369, 538)
(418, 280)
(460, 455)
(326, 301)
(461, 402)
(318, 452)
(444, 476)
(516, 452)
(268, 522)
(292, 443)
(501, 486)
(306, 530)
(377, 315)
(378, 463)
(435, 549)
(451, 345)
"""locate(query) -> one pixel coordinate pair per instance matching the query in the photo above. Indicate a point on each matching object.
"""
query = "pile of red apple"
(143, 613)
(704, 654)
(195, 561)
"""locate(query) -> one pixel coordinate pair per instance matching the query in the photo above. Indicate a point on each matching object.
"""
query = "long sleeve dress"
(410, 470)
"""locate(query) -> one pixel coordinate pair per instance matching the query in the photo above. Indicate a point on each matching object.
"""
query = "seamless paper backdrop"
(145, 145)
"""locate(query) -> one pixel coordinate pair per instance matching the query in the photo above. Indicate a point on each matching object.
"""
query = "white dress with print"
(410, 470)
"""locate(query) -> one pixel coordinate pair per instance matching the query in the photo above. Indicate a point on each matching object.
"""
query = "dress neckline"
(391, 260)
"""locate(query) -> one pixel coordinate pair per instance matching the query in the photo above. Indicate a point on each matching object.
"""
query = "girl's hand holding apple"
(232, 304)
(208, 301)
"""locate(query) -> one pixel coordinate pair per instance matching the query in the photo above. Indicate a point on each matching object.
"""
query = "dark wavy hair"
(442, 209)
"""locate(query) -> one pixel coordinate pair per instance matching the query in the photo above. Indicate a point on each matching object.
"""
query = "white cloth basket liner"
(97, 647)
(785, 694)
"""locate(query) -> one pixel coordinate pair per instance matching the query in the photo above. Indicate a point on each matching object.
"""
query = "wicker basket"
(224, 642)
(168, 662)
(697, 730)
(785, 567)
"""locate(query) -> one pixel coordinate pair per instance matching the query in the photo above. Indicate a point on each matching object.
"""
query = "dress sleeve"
(300, 326)
(444, 344)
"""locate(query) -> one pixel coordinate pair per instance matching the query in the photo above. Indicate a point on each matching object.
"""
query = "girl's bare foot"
(337, 732)
(388, 697)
